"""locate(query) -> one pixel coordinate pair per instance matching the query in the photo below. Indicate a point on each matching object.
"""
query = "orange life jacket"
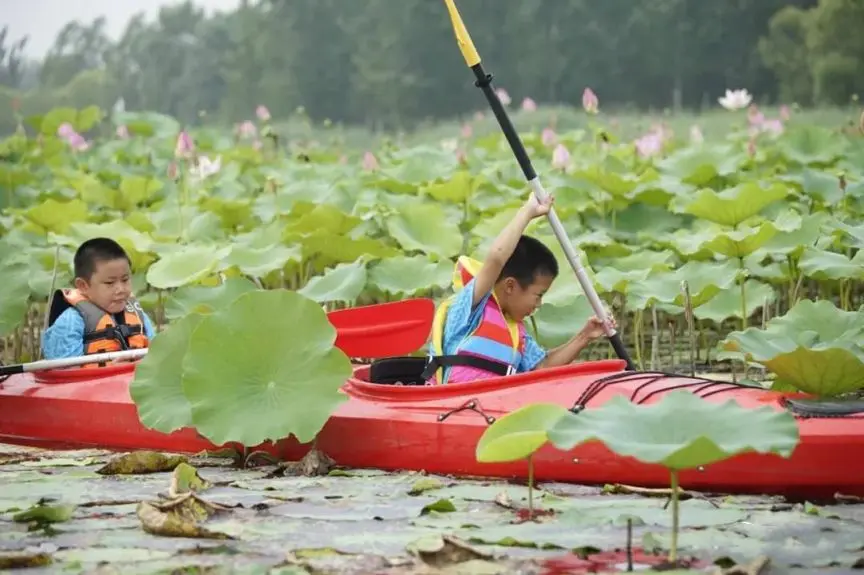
(495, 346)
(101, 331)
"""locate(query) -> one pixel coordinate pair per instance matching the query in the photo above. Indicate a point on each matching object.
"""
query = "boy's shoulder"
(68, 319)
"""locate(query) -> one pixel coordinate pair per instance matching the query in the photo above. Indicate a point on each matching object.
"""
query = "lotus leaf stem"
(531, 486)
(673, 547)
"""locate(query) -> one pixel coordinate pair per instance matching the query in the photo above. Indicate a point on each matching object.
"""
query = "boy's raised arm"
(503, 246)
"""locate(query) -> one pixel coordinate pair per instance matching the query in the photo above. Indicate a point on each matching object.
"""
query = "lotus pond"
(740, 256)
(89, 511)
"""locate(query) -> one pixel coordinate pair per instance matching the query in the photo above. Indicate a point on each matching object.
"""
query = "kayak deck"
(436, 428)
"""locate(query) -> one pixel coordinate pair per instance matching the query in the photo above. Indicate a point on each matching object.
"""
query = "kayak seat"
(824, 407)
(398, 371)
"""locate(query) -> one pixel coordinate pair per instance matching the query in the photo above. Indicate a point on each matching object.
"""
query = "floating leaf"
(518, 434)
(705, 432)
(815, 347)
(141, 462)
(269, 379)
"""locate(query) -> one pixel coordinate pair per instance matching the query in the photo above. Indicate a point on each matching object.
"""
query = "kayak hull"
(436, 429)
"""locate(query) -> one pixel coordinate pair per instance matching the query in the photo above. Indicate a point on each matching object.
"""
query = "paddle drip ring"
(471, 405)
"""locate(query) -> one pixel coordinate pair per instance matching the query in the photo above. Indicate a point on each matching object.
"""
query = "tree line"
(389, 63)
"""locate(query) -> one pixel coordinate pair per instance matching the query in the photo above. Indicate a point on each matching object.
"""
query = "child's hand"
(536, 209)
(594, 327)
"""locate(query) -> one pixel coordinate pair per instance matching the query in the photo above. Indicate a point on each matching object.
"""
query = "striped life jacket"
(102, 332)
(494, 347)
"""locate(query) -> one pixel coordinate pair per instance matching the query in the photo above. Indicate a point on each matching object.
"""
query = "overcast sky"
(42, 19)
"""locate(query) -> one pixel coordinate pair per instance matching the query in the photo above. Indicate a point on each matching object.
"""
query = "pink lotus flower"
(184, 146)
(549, 137)
(503, 96)
(247, 130)
(754, 116)
(467, 130)
(784, 113)
(75, 140)
(696, 135)
(263, 113)
(370, 162)
(122, 132)
(649, 145)
(529, 105)
(65, 130)
(560, 157)
(590, 102)
(206, 167)
(774, 126)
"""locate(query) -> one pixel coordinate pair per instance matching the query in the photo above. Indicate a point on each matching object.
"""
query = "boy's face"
(519, 302)
(109, 286)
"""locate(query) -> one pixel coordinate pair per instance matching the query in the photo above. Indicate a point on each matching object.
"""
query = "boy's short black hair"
(96, 250)
(530, 259)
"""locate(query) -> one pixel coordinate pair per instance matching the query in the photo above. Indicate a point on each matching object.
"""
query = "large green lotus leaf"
(855, 232)
(307, 218)
(518, 434)
(57, 217)
(186, 265)
(805, 232)
(157, 387)
(611, 279)
(258, 262)
(341, 248)
(814, 347)
(659, 191)
(425, 227)
(727, 303)
(741, 242)
(233, 214)
(699, 165)
(457, 189)
(14, 294)
(344, 283)
(194, 225)
(136, 190)
(405, 275)
(824, 265)
(817, 184)
(201, 300)
(810, 144)
(645, 260)
(557, 324)
(148, 123)
(705, 280)
(277, 374)
(680, 431)
(735, 205)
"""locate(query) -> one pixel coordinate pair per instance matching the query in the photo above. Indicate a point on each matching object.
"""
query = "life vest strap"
(121, 333)
(440, 361)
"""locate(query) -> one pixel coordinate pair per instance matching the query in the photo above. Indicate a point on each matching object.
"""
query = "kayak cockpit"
(79, 374)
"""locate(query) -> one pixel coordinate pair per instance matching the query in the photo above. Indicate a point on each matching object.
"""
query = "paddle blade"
(383, 330)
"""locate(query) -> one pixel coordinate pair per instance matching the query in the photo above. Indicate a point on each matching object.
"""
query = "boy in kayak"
(479, 332)
(100, 314)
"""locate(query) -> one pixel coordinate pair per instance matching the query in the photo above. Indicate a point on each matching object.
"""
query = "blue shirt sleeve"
(65, 338)
(149, 330)
(534, 353)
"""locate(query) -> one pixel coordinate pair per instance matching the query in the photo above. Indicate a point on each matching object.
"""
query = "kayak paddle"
(371, 331)
(484, 82)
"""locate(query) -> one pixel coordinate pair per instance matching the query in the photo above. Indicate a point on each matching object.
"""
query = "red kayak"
(415, 427)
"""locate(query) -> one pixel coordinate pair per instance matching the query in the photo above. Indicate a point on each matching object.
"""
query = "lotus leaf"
(344, 283)
(733, 206)
(258, 262)
(704, 432)
(824, 265)
(811, 145)
(409, 275)
(727, 303)
(705, 279)
(14, 294)
(157, 387)
(199, 299)
(185, 266)
(426, 228)
(815, 347)
(741, 242)
(518, 434)
(250, 375)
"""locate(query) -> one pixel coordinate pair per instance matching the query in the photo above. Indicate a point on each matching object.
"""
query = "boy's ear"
(509, 285)
(81, 284)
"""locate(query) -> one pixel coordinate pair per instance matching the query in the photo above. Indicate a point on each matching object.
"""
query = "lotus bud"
(529, 105)
(590, 102)
(560, 157)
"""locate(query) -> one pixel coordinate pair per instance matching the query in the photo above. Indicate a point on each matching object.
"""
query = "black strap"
(121, 333)
(439, 361)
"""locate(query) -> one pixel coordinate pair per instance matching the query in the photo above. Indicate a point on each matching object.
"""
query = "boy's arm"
(503, 246)
(566, 353)
(149, 330)
(65, 338)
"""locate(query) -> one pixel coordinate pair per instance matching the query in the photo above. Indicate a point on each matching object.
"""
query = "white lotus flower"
(735, 99)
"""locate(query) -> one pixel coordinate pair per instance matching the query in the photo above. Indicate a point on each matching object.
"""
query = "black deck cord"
(598, 385)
